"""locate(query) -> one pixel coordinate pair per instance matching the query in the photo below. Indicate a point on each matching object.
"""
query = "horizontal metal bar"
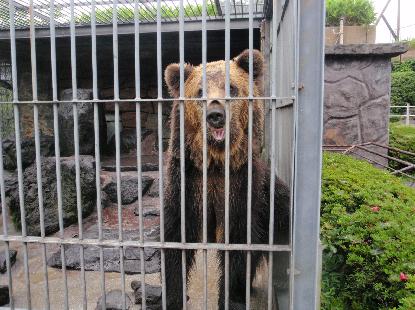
(191, 25)
(150, 244)
(281, 101)
(382, 155)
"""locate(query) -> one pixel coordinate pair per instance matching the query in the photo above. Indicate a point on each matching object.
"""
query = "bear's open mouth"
(218, 133)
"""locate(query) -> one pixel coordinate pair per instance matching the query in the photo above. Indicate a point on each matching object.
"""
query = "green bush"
(403, 88)
(355, 12)
(401, 137)
(367, 229)
(404, 66)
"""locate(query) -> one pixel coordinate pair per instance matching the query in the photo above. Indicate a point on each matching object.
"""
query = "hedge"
(403, 88)
(355, 12)
(403, 138)
(404, 66)
(367, 229)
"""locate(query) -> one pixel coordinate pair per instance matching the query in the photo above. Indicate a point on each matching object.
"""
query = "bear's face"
(216, 116)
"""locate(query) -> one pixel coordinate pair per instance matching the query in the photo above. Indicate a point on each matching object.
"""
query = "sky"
(407, 20)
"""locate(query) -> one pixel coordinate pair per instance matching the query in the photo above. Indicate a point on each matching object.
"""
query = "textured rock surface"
(153, 294)
(85, 124)
(113, 301)
(385, 49)
(3, 265)
(129, 186)
(128, 140)
(47, 148)
(357, 96)
(132, 264)
(49, 186)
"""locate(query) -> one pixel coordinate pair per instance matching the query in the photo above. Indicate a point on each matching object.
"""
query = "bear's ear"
(242, 60)
(172, 77)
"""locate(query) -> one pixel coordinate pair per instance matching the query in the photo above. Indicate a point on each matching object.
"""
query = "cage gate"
(90, 111)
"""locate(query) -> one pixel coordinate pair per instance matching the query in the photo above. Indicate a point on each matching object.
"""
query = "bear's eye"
(233, 90)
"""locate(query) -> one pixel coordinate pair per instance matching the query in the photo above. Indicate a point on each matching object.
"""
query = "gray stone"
(49, 187)
(153, 294)
(342, 131)
(128, 140)
(385, 49)
(357, 95)
(113, 301)
(132, 262)
(3, 265)
(153, 191)
(129, 185)
(4, 295)
(85, 124)
(343, 98)
(47, 148)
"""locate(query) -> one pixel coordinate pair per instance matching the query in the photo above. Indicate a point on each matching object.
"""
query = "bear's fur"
(238, 176)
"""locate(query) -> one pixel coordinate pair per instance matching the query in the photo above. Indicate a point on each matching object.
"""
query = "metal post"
(408, 109)
(308, 155)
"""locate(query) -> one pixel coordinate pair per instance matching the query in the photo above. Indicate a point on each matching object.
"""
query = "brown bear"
(216, 120)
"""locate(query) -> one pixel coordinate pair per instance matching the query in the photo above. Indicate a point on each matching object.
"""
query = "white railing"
(406, 112)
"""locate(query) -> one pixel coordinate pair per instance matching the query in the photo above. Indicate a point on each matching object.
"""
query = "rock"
(128, 140)
(3, 265)
(4, 295)
(153, 293)
(113, 301)
(85, 124)
(129, 185)
(153, 191)
(49, 186)
(132, 264)
(47, 148)
(148, 211)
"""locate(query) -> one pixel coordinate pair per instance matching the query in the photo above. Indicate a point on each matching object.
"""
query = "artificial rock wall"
(357, 93)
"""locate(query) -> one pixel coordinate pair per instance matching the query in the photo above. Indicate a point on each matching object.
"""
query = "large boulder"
(85, 123)
(132, 262)
(128, 140)
(129, 188)
(47, 148)
(49, 186)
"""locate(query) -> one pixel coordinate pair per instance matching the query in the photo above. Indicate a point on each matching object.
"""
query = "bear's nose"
(216, 117)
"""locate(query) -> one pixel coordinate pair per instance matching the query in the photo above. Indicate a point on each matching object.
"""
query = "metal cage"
(292, 44)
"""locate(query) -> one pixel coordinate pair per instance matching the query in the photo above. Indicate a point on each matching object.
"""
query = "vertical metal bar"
(273, 151)
(138, 128)
(307, 173)
(182, 159)
(249, 187)
(295, 33)
(37, 152)
(227, 146)
(76, 149)
(5, 214)
(204, 193)
(54, 98)
(97, 148)
(117, 142)
(18, 150)
(408, 109)
(160, 144)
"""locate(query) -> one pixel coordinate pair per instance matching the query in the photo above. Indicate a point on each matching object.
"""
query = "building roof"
(126, 12)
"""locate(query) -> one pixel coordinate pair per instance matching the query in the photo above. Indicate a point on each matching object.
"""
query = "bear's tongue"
(218, 134)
